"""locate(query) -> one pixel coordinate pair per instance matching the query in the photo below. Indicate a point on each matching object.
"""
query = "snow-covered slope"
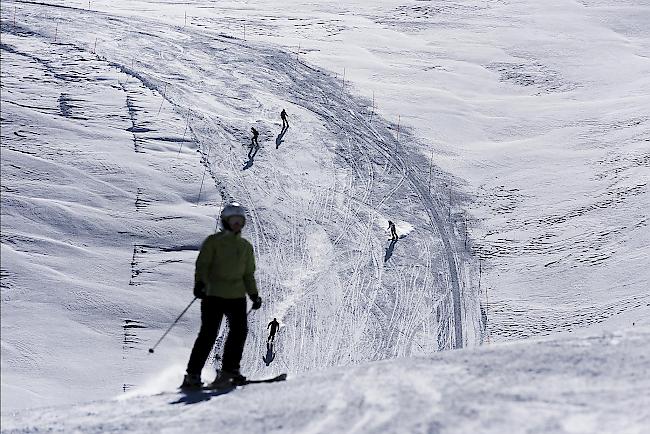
(106, 197)
(511, 131)
(597, 384)
(540, 108)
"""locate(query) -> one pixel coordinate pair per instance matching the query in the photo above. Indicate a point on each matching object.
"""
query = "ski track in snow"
(523, 106)
(339, 300)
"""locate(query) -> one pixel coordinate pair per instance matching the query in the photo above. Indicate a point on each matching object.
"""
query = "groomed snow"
(508, 140)
(595, 384)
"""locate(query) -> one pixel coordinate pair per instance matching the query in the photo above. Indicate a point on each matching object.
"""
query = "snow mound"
(590, 384)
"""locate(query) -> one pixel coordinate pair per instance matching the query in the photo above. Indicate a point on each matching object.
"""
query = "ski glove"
(257, 301)
(199, 289)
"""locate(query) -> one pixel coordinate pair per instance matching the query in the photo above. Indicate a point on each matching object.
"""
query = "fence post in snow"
(373, 106)
(185, 19)
(487, 300)
(465, 217)
(430, 170)
(205, 168)
(187, 124)
(163, 98)
(487, 309)
(480, 272)
(343, 85)
(95, 47)
(449, 202)
(399, 120)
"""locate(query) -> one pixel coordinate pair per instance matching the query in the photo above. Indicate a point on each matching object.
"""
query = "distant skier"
(225, 274)
(254, 143)
(393, 232)
(274, 328)
(285, 122)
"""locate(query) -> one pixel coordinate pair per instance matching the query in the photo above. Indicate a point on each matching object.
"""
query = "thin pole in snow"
(95, 47)
(88, 4)
(56, 31)
(198, 198)
(14, 16)
(373, 106)
(343, 85)
(465, 232)
(163, 98)
(187, 124)
(430, 170)
(185, 19)
(487, 309)
(298, 52)
(399, 121)
(480, 272)
(244, 31)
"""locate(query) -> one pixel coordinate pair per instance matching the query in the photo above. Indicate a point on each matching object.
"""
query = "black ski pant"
(212, 311)
(252, 151)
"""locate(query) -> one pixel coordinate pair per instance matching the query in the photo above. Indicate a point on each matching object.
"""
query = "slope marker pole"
(399, 121)
(163, 98)
(189, 112)
(205, 168)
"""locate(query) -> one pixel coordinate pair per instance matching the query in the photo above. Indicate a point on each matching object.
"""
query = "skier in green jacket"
(224, 275)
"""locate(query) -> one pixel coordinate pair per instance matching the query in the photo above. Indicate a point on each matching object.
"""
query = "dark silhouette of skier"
(285, 122)
(393, 232)
(254, 144)
(270, 354)
(274, 328)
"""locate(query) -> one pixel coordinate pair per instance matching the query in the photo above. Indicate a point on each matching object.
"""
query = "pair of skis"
(230, 385)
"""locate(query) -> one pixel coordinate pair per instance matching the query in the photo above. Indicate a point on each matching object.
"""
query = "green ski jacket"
(226, 265)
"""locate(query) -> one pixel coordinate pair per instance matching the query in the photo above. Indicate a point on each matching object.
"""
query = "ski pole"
(173, 324)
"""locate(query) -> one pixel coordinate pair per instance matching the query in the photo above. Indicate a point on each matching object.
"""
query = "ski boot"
(228, 378)
(192, 382)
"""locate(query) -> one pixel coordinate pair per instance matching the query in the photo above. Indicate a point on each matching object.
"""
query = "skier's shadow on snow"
(270, 355)
(196, 396)
(251, 158)
(389, 250)
(278, 140)
(391, 247)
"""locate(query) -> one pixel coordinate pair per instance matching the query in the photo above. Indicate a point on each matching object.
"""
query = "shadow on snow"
(196, 396)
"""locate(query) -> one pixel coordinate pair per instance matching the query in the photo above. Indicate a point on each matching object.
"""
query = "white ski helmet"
(232, 209)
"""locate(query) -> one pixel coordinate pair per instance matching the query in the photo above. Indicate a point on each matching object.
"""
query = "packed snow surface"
(508, 140)
(595, 384)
